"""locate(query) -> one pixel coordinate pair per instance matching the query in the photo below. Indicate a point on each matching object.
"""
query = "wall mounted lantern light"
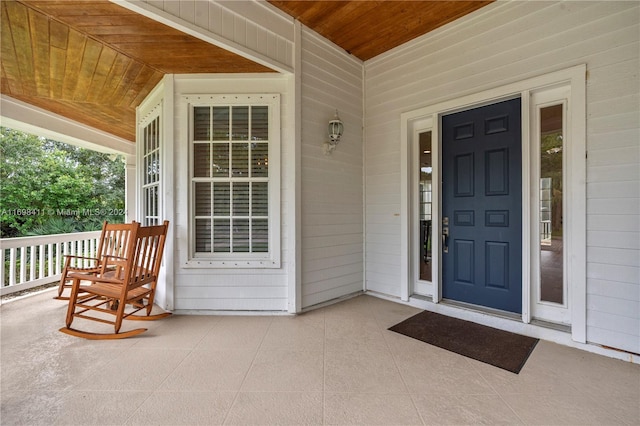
(335, 131)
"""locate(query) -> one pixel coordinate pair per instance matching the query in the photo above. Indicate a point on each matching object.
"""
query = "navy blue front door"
(482, 206)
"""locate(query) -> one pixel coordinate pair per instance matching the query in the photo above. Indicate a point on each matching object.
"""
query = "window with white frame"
(234, 180)
(151, 171)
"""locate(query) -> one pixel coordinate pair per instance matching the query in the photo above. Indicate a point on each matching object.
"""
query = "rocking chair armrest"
(73, 256)
(70, 257)
(110, 256)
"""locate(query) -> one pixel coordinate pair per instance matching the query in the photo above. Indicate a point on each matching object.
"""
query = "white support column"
(130, 188)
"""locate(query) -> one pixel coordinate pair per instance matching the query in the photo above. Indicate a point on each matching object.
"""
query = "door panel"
(482, 206)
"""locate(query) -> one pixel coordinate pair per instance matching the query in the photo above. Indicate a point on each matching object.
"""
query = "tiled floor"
(335, 365)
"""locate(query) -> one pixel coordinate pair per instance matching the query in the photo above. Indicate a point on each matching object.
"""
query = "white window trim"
(575, 79)
(270, 259)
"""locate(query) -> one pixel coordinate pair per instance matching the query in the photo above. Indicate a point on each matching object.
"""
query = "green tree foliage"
(49, 187)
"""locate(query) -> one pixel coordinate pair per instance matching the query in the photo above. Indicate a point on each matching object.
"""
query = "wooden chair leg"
(73, 298)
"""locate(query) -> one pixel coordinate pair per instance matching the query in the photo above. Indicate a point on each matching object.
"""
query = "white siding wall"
(253, 29)
(500, 44)
(231, 289)
(332, 185)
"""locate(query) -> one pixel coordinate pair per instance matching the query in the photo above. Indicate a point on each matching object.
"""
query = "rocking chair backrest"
(114, 239)
(145, 261)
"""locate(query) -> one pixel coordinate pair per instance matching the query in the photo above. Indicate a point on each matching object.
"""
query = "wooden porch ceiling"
(368, 28)
(93, 61)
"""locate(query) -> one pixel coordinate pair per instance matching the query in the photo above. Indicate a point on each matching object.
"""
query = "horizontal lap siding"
(219, 289)
(332, 185)
(501, 44)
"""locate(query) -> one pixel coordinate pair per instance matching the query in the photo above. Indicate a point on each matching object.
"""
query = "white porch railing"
(32, 261)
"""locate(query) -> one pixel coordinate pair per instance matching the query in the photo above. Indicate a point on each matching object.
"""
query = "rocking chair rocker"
(124, 286)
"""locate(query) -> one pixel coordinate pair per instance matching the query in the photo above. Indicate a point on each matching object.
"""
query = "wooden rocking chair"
(124, 286)
(113, 242)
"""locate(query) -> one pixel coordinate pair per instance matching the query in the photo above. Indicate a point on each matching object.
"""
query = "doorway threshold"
(565, 328)
(482, 309)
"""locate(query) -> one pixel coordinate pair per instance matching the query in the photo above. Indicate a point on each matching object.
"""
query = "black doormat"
(502, 349)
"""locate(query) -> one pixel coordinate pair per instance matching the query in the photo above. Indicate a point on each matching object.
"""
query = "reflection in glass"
(241, 235)
(201, 159)
(425, 189)
(551, 200)
(201, 120)
(260, 232)
(241, 198)
(259, 123)
(203, 198)
(221, 236)
(240, 118)
(220, 161)
(240, 159)
(221, 198)
(260, 160)
(260, 199)
(203, 235)
(221, 123)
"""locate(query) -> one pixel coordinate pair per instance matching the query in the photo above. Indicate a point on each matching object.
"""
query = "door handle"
(445, 239)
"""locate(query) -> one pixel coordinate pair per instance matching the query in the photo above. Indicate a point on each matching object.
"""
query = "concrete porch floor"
(334, 365)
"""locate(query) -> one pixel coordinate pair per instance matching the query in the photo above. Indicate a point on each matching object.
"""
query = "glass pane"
(156, 166)
(221, 236)
(220, 164)
(202, 195)
(203, 235)
(147, 169)
(240, 123)
(260, 236)
(221, 198)
(154, 135)
(153, 211)
(240, 160)
(259, 123)
(551, 197)
(260, 160)
(220, 123)
(201, 123)
(241, 235)
(241, 198)
(425, 187)
(260, 199)
(201, 159)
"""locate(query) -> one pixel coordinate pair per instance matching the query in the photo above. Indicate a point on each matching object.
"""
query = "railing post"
(12, 266)
(32, 263)
(2, 269)
(42, 261)
(50, 270)
(23, 264)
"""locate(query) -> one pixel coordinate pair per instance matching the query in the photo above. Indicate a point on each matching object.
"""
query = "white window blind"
(233, 190)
